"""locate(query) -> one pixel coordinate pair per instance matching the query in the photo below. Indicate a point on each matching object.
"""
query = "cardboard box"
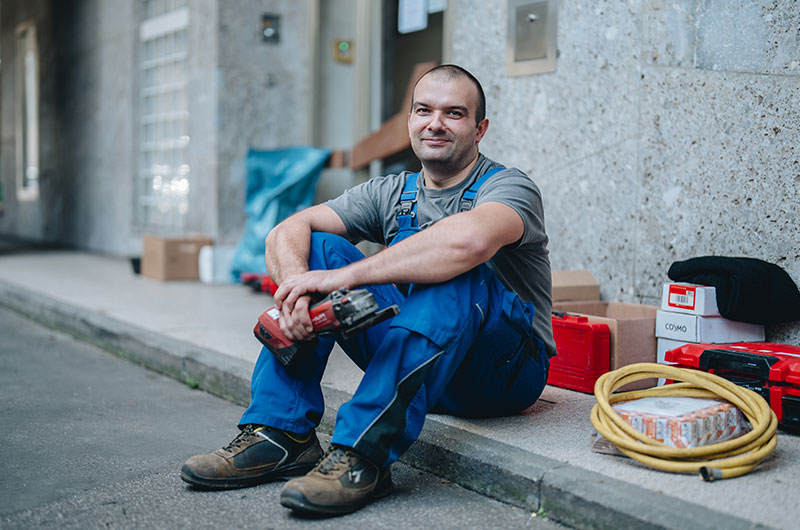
(168, 259)
(632, 328)
(712, 330)
(690, 298)
(574, 285)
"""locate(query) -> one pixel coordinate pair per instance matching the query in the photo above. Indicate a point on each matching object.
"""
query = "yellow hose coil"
(727, 459)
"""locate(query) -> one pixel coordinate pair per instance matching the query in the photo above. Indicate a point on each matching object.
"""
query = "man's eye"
(422, 111)
(455, 114)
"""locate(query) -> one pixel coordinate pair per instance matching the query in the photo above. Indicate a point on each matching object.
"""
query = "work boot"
(258, 454)
(342, 482)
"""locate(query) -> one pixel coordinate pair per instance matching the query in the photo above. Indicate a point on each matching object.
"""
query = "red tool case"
(584, 352)
(772, 370)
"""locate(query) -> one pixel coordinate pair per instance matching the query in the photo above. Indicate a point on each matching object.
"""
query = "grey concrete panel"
(203, 96)
(746, 36)
(720, 169)
(668, 33)
(542, 123)
(93, 69)
(589, 223)
(739, 36)
(263, 95)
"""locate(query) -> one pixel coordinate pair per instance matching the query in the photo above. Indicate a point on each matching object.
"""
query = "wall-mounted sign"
(412, 15)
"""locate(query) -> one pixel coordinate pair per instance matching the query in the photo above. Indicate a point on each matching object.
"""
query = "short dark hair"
(453, 71)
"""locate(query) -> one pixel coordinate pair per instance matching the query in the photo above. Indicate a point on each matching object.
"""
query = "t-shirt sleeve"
(515, 189)
(360, 209)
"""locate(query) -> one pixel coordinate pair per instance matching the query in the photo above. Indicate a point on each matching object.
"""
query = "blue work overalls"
(463, 347)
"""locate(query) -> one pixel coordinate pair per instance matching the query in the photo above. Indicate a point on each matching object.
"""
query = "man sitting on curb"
(467, 263)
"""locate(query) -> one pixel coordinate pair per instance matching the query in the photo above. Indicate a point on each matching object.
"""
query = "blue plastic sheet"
(279, 183)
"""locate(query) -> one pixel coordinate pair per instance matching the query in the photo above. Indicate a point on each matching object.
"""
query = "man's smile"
(435, 140)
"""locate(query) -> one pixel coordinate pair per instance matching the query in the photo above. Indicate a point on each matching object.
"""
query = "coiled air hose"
(727, 459)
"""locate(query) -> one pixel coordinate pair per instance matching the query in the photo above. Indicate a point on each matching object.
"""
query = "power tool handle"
(323, 316)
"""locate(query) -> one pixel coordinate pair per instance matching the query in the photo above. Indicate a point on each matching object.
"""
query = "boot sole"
(298, 502)
(205, 483)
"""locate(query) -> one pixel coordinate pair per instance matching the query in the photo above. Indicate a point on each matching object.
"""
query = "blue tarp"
(279, 183)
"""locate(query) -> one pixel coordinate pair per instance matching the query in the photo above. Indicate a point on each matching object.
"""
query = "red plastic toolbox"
(772, 370)
(584, 352)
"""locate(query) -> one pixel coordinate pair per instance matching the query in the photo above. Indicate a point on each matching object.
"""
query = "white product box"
(662, 347)
(214, 264)
(710, 330)
(690, 298)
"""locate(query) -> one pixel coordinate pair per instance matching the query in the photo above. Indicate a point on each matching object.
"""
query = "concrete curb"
(566, 493)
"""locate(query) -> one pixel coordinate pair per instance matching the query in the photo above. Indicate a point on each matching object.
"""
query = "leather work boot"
(342, 482)
(258, 454)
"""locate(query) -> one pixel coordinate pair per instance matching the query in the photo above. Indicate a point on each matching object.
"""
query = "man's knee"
(450, 311)
(330, 251)
(476, 282)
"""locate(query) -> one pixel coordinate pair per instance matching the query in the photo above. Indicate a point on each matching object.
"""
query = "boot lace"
(333, 460)
(243, 437)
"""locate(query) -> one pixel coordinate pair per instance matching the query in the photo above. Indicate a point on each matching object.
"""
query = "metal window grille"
(163, 178)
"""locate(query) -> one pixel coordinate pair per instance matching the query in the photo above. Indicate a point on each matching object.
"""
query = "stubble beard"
(442, 158)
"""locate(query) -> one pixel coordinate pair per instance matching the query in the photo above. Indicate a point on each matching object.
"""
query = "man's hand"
(295, 323)
(293, 301)
(287, 250)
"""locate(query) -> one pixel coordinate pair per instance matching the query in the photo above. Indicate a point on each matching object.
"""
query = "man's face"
(441, 123)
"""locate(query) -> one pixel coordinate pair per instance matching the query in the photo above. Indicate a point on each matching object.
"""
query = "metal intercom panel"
(531, 37)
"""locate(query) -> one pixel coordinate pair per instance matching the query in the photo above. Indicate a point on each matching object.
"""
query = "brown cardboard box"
(632, 327)
(574, 285)
(172, 258)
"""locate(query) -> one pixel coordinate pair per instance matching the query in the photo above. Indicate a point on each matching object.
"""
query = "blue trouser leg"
(292, 400)
(464, 346)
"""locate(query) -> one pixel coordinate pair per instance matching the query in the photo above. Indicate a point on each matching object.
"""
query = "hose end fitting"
(710, 474)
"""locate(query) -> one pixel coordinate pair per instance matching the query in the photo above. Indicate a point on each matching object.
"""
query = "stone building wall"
(668, 130)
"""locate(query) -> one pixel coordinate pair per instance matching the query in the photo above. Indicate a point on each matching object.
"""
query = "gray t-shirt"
(369, 212)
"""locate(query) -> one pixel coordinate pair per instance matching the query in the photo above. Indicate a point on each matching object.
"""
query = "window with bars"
(163, 179)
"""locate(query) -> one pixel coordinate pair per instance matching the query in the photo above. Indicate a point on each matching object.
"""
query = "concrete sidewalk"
(202, 336)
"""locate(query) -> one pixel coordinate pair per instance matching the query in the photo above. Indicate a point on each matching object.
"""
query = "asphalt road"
(90, 440)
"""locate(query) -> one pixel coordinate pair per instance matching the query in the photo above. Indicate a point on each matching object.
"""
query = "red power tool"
(343, 311)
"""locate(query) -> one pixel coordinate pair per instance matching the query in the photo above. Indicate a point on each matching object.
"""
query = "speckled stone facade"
(263, 94)
(669, 130)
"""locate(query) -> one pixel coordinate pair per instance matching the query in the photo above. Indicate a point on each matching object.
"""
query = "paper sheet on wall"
(412, 15)
(434, 6)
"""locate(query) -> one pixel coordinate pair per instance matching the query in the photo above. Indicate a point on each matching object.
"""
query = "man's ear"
(483, 126)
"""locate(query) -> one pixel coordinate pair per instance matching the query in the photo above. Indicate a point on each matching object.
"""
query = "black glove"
(748, 289)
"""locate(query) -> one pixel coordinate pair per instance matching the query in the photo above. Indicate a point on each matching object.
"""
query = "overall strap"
(468, 197)
(408, 202)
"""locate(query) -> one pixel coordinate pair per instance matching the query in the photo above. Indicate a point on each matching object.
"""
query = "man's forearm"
(422, 258)
(287, 248)
(450, 247)
(288, 244)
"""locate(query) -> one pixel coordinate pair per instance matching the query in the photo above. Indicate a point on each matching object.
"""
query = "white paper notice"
(434, 6)
(412, 15)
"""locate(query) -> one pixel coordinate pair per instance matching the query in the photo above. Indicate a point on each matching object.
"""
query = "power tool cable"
(722, 460)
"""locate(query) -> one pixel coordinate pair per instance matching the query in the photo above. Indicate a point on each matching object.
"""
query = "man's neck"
(441, 178)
